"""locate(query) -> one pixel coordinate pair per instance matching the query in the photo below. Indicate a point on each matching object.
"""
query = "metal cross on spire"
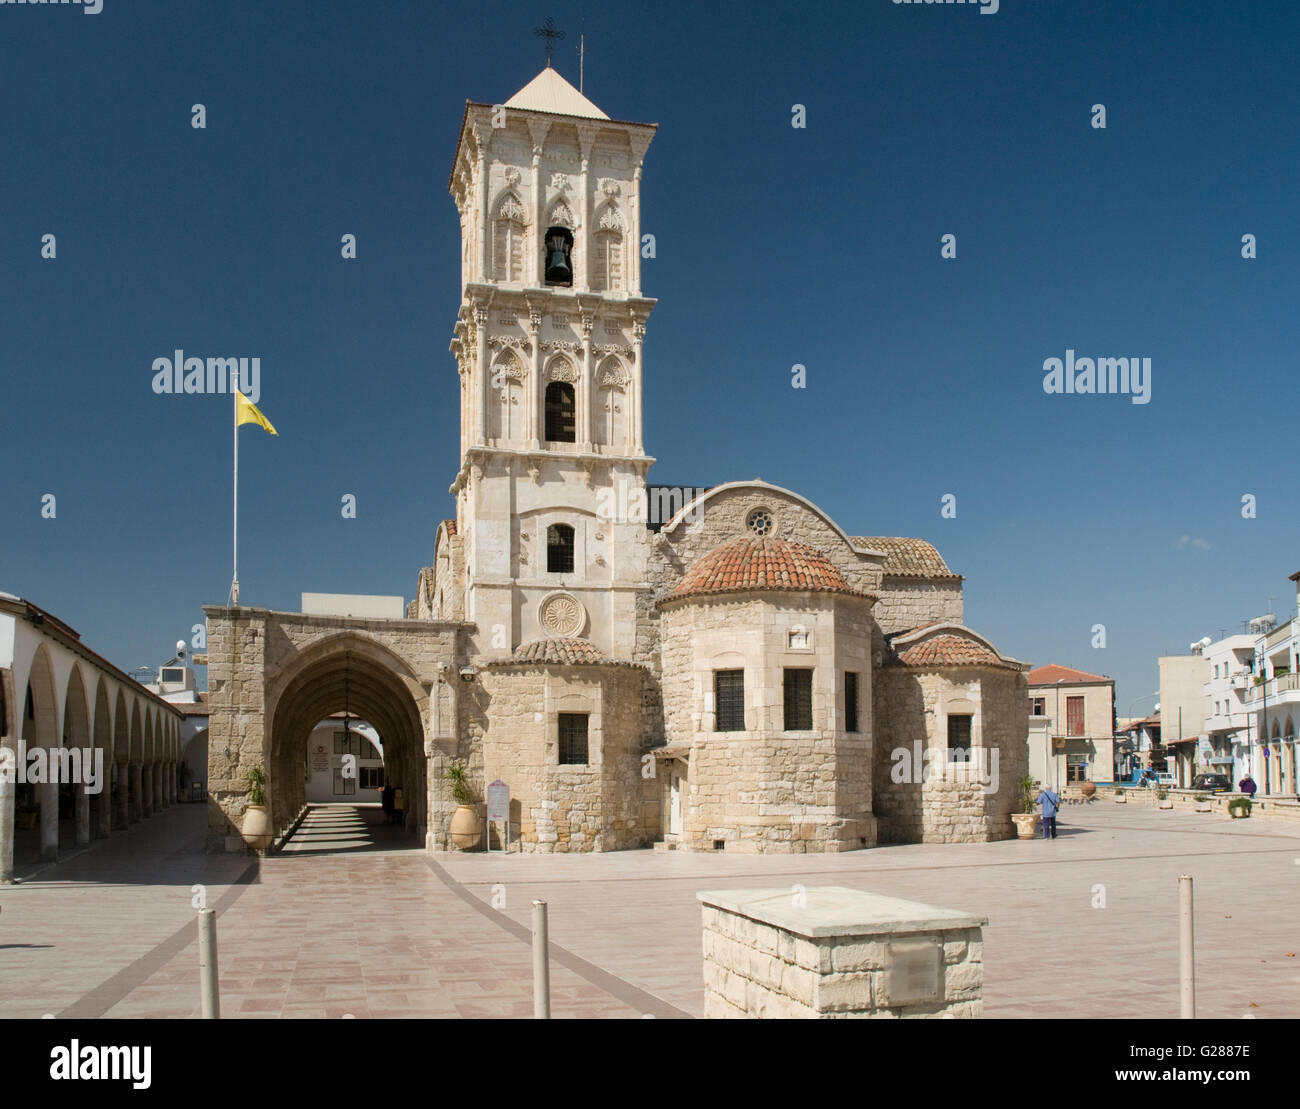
(550, 33)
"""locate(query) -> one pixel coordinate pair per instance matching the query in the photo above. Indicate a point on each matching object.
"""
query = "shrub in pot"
(1025, 817)
(256, 828)
(464, 830)
(1239, 807)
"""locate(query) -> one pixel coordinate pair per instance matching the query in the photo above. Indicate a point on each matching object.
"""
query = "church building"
(738, 674)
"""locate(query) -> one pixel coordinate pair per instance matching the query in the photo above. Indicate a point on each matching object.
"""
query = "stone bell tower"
(548, 345)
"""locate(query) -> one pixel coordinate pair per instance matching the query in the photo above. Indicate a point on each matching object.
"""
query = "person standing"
(1050, 801)
(1247, 785)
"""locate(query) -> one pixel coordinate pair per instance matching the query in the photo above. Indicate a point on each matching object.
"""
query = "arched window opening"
(559, 256)
(561, 413)
(559, 549)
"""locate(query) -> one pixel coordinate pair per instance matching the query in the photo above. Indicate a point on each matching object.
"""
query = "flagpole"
(234, 584)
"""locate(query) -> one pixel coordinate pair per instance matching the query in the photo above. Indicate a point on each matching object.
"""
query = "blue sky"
(776, 246)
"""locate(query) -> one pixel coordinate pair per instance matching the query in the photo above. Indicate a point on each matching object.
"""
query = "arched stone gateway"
(273, 676)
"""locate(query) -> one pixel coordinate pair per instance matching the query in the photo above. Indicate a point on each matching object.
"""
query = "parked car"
(1214, 783)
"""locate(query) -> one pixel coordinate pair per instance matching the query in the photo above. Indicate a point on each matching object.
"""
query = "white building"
(1227, 723)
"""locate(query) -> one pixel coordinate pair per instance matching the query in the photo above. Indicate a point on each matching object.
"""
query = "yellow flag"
(246, 412)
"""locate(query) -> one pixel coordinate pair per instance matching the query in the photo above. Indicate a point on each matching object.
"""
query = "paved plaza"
(349, 920)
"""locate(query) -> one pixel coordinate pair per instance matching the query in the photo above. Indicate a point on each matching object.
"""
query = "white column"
(49, 795)
(638, 349)
(586, 395)
(7, 790)
(535, 391)
(484, 374)
(83, 812)
(481, 182)
(634, 247)
(538, 269)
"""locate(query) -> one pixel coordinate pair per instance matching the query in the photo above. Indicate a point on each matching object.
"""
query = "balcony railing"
(1282, 684)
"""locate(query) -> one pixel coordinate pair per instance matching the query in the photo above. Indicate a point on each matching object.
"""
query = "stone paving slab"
(1048, 952)
(73, 926)
(374, 931)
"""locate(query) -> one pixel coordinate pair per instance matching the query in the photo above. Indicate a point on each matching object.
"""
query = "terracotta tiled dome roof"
(946, 649)
(752, 563)
(561, 652)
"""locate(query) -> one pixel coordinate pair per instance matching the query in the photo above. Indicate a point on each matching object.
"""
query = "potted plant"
(1203, 802)
(1024, 818)
(465, 830)
(1239, 808)
(1088, 789)
(1163, 800)
(1121, 797)
(256, 828)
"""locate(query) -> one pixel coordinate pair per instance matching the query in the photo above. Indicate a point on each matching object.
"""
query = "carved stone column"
(484, 372)
(587, 393)
(638, 342)
(535, 382)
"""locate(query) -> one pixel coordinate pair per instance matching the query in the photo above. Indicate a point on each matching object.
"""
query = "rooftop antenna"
(550, 33)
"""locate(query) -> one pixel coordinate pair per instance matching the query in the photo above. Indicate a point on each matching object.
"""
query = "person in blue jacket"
(1050, 802)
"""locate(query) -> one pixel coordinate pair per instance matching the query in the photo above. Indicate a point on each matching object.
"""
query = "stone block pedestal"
(828, 951)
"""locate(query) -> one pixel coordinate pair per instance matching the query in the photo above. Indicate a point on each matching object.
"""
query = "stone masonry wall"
(752, 969)
(510, 724)
(935, 802)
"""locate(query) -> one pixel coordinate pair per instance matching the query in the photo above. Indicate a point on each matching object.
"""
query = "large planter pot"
(1088, 789)
(1204, 806)
(256, 828)
(465, 830)
(1025, 823)
(1167, 804)
(1121, 799)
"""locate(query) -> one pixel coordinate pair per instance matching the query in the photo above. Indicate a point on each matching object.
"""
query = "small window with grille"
(573, 739)
(559, 549)
(850, 701)
(798, 700)
(729, 700)
(959, 738)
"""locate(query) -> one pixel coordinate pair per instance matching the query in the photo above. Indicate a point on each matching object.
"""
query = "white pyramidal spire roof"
(549, 92)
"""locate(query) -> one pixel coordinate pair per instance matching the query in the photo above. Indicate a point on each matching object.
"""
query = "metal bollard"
(1186, 951)
(209, 992)
(541, 964)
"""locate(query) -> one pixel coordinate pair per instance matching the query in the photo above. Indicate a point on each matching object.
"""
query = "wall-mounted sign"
(320, 759)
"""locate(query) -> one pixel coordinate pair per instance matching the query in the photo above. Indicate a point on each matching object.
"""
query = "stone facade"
(828, 953)
(550, 597)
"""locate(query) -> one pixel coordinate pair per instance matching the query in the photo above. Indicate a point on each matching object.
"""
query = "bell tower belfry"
(550, 495)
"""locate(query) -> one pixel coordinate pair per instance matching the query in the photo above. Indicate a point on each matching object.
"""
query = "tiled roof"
(949, 650)
(192, 708)
(751, 563)
(1052, 673)
(558, 652)
(451, 526)
(908, 558)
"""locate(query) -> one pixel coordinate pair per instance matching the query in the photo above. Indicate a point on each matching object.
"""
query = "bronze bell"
(557, 269)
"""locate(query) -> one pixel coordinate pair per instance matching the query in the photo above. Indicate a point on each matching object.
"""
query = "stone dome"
(753, 564)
